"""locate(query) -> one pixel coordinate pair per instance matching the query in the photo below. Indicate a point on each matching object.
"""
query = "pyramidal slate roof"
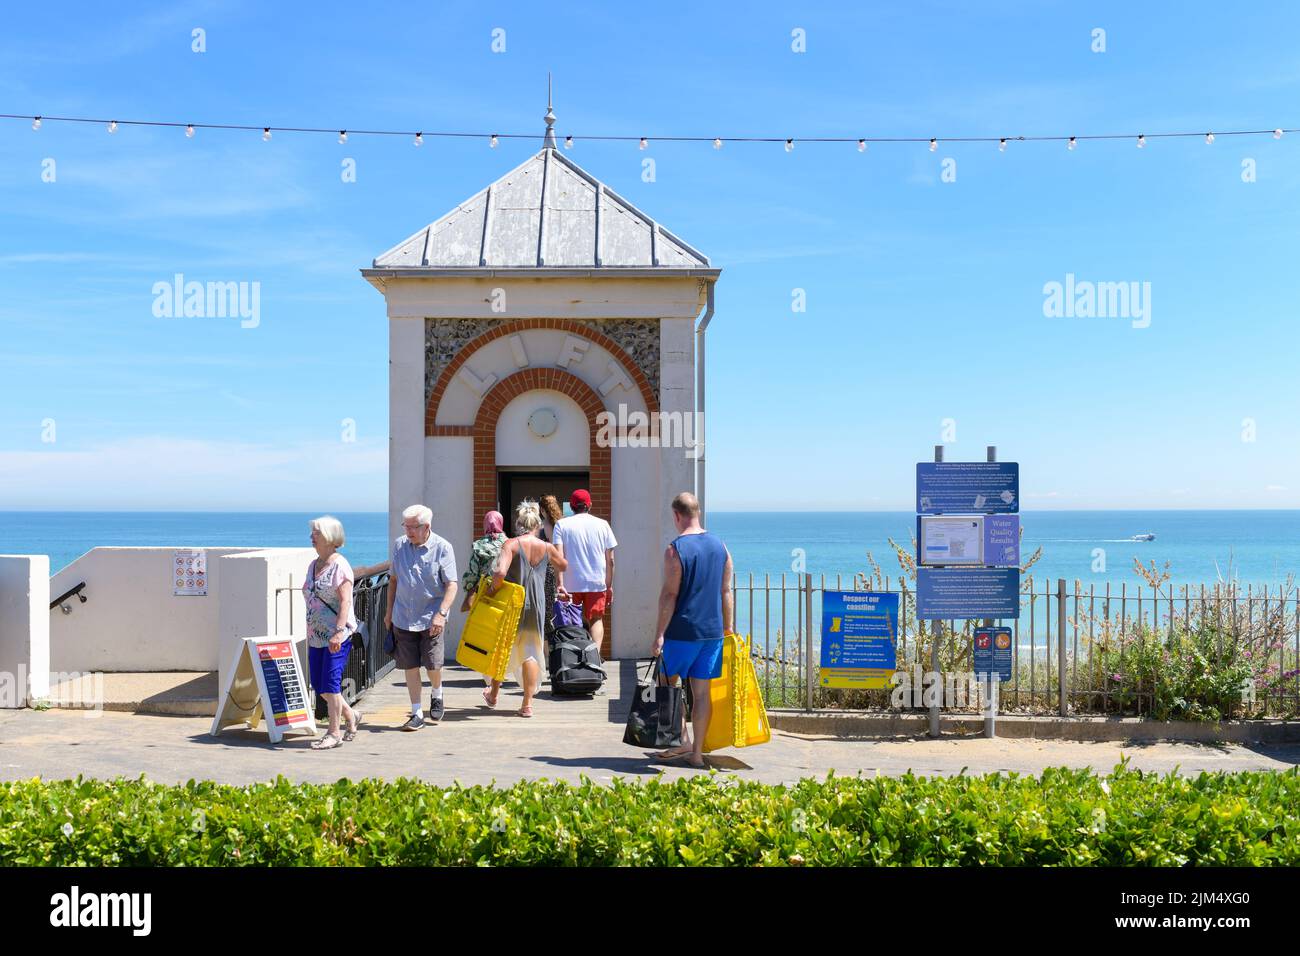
(547, 213)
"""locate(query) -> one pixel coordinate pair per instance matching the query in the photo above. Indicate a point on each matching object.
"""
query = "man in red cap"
(588, 544)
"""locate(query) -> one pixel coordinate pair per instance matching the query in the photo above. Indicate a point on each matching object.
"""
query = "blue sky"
(924, 297)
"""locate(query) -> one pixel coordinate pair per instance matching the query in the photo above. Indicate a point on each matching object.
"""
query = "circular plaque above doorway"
(543, 422)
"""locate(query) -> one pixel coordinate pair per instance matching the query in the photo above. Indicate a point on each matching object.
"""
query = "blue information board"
(993, 652)
(967, 487)
(943, 593)
(1002, 541)
(859, 639)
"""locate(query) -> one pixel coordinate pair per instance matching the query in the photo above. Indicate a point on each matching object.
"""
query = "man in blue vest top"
(696, 609)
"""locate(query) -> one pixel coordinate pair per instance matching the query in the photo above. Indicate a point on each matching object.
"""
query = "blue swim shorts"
(699, 659)
(327, 668)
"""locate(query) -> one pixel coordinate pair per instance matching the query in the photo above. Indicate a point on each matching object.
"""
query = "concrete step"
(180, 693)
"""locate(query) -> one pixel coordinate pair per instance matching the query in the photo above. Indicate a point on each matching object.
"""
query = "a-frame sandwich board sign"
(266, 681)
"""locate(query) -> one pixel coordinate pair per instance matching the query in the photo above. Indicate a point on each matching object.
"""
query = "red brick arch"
(485, 433)
(519, 325)
(485, 445)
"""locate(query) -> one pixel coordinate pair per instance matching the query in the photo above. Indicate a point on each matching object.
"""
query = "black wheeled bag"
(575, 664)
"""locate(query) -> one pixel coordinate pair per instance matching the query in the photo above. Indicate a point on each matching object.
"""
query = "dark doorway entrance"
(514, 486)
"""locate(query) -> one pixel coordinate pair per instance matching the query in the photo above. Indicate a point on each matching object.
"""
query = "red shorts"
(591, 602)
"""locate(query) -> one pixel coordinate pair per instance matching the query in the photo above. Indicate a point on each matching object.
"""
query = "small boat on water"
(1144, 536)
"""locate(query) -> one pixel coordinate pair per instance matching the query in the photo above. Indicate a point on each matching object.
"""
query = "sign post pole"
(990, 685)
(935, 627)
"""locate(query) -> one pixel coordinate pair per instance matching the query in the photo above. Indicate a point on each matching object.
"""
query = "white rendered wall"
(406, 452)
(602, 296)
(261, 595)
(131, 621)
(637, 565)
(449, 465)
(570, 445)
(24, 627)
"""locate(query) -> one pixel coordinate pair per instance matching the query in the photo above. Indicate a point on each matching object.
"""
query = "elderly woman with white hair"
(331, 622)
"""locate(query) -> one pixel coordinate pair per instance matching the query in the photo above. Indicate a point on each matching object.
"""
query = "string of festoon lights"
(418, 137)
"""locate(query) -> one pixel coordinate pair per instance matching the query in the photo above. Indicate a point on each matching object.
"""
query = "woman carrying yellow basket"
(523, 561)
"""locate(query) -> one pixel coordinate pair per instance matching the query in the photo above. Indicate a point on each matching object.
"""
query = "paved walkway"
(566, 740)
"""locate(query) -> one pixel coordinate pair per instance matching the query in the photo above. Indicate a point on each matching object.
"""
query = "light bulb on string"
(568, 142)
(493, 142)
(112, 126)
(1002, 144)
(189, 131)
(419, 140)
(643, 144)
(266, 134)
(1072, 143)
(789, 146)
(1142, 141)
(717, 144)
(862, 146)
(343, 136)
(1209, 138)
(36, 122)
(934, 144)
(1277, 133)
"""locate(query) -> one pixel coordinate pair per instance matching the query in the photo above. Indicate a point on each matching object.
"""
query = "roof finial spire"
(549, 141)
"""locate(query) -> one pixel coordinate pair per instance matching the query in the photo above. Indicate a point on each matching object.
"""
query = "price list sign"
(286, 703)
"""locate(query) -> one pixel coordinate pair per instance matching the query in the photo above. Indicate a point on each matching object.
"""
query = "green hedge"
(1063, 818)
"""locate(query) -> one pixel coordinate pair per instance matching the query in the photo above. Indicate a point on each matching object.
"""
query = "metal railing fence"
(1167, 651)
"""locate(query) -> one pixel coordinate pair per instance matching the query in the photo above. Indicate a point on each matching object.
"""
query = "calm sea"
(1095, 546)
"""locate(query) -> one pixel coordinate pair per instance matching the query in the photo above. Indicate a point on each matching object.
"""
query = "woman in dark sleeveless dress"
(551, 514)
(523, 561)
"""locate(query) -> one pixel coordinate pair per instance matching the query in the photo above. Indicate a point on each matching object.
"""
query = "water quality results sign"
(859, 639)
(967, 487)
(991, 541)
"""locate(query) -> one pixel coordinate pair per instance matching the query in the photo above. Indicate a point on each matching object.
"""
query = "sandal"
(351, 732)
(674, 753)
(525, 711)
(488, 699)
(328, 742)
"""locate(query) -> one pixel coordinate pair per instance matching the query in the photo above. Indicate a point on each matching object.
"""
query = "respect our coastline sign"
(859, 639)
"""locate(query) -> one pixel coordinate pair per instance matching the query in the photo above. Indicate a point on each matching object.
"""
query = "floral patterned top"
(321, 592)
(482, 559)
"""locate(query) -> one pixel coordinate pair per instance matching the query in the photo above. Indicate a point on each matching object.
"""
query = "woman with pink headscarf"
(483, 555)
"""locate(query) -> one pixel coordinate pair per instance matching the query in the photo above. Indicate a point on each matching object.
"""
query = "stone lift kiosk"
(546, 335)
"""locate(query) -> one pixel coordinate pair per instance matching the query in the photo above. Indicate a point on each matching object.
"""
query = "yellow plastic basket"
(739, 717)
(490, 629)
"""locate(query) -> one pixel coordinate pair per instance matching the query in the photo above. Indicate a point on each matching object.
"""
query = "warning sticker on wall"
(190, 572)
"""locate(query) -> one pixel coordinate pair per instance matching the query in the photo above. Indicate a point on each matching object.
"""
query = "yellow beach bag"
(489, 633)
(739, 717)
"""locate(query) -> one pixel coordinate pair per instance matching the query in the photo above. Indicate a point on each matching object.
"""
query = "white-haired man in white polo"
(421, 592)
